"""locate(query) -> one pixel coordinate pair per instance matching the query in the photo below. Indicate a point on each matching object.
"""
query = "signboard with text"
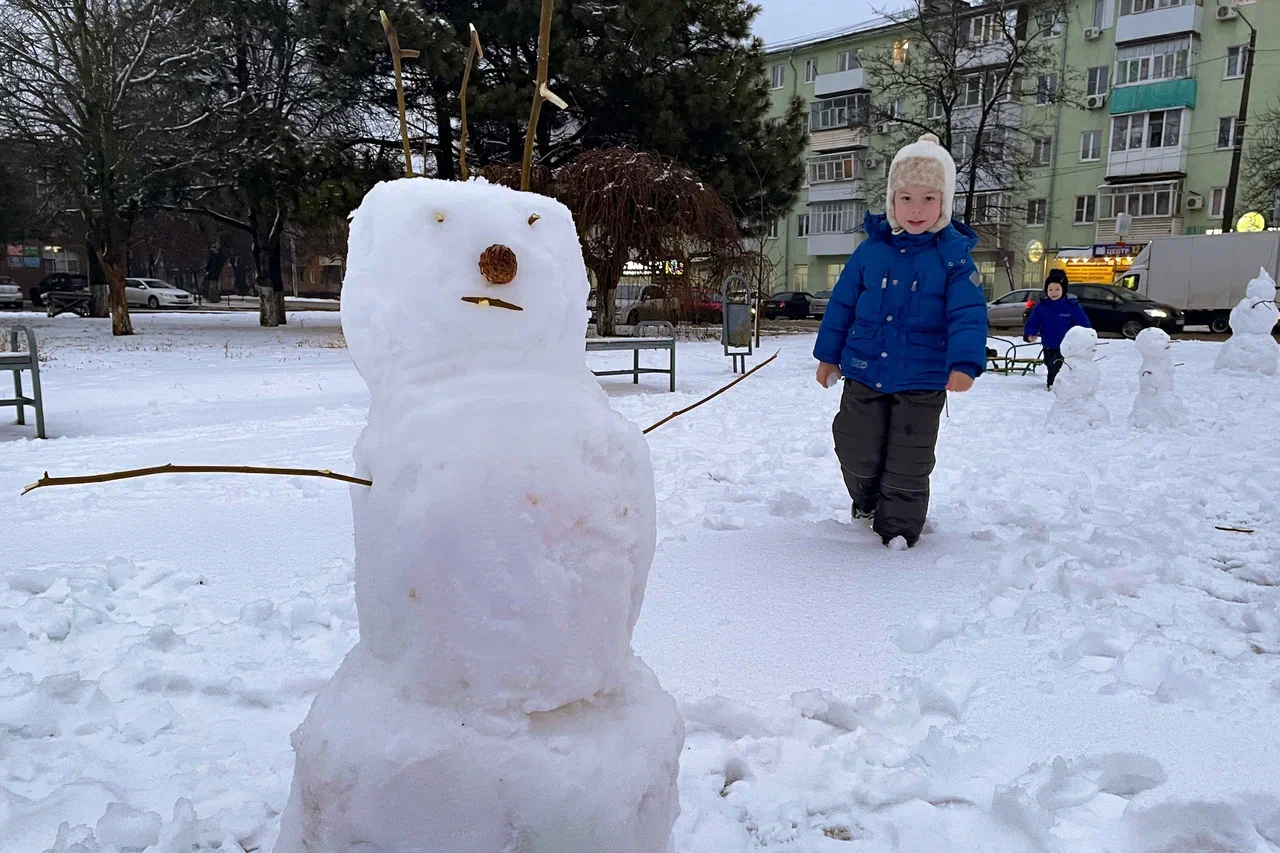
(1117, 250)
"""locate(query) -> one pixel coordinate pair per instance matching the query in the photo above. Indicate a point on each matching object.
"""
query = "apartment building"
(1145, 126)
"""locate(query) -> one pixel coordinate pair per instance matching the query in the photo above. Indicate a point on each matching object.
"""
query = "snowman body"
(1076, 407)
(1157, 403)
(1252, 346)
(493, 701)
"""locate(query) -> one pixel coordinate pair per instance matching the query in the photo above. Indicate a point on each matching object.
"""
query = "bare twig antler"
(398, 53)
(474, 52)
(46, 480)
(540, 92)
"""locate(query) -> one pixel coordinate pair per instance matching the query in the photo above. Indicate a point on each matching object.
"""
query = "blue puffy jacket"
(1051, 319)
(907, 310)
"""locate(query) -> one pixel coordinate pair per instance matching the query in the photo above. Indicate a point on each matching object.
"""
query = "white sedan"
(10, 293)
(154, 293)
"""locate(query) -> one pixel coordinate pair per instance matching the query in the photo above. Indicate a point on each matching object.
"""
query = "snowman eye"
(439, 217)
(534, 218)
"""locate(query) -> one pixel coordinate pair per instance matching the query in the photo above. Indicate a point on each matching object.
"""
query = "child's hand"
(828, 374)
(1031, 339)
(960, 382)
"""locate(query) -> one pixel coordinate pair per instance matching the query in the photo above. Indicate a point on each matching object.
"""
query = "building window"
(1217, 201)
(833, 276)
(810, 70)
(802, 225)
(773, 230)
(1042, 151)
(1091, 146)
(1046, 89)
(836, 217)
(778, 76)
(1162, 60)
(828, 168)
(848, 61)
(1099, 13)
(1237, 59)
(800, 277)
(1227, 132)
(983, 29)
(901, 52)
(1137, 7)
(1037, 211)
(1086, 209)
(1138, 200)
(975, 89)
(933, 108)
(1098, 80)
(897, 110)
(1159, 129)
(988, 209)
(833, 113)
(1050, 23)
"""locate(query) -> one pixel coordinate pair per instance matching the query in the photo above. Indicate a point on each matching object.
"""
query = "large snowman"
(1252, 346)
(493, 703)
(1076, 406)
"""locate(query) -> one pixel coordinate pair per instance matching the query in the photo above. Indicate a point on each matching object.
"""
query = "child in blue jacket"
(906, 323)
(1052, 318)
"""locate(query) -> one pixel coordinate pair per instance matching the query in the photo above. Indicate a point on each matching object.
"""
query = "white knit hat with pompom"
(923, 163)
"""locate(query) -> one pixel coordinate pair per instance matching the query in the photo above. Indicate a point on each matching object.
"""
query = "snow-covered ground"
(1073, 659)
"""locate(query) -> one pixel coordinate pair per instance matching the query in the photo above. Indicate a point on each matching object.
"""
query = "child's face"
(917, 208)
(1054, 290)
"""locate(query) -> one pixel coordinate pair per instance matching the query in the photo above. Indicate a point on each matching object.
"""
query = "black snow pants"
(1053, 361)
(885, 444)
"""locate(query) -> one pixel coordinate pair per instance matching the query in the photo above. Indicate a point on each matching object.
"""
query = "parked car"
(1010, 310)
(64, 282)
(796, 305)
(10, 293)
(818, 305)
(154, 293)
(1118, 310)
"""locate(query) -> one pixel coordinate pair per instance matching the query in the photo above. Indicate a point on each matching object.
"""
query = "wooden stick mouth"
(491, 302)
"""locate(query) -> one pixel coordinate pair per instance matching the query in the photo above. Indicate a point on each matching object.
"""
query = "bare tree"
(1261, 190)
(88, 86)
(967, 73)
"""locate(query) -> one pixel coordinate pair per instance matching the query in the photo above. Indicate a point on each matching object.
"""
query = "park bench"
(16, 362)
(649, 335)
(75, 301)
(1010, 362)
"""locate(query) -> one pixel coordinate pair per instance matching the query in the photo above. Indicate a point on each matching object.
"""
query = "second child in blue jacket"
(1052, 317)
(906, 323)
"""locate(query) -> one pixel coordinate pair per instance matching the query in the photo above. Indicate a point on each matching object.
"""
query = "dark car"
(63, 282)
(1121, 311)
(793, 305)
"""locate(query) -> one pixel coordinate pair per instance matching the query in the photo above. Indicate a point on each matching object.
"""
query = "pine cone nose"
(498, 264)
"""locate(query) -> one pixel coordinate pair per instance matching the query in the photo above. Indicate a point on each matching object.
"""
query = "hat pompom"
(929, 137)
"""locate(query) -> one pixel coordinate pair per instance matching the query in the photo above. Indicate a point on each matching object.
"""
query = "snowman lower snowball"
(1157, 403)
(1076, 406)
(1252, 346)
(493, 702)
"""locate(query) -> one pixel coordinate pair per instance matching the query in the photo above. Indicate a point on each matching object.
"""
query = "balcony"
(1147, 161)
(841, 138)
(1175, 20)
(833, 244)
(840, 82)
(851, 190)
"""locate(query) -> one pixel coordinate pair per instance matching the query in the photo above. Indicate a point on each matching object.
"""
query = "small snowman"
(1251, 346)
(1076, 407)
(1157, 403)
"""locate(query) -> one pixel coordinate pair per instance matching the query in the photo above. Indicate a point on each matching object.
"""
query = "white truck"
(1204, 275)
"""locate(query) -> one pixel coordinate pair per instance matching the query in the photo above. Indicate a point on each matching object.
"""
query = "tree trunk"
(608, 273)
(99, 293)
(446, 168)
(211, 287)
(275, 269)
(113, 268)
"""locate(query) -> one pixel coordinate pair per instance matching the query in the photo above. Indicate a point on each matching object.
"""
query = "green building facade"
(1145, 127)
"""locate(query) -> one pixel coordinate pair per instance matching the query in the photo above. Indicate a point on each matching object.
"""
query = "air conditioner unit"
(1195, 202)
(1095, 102)
(1093, 33)
(1226, 13)
(884, 127)
(871, 163)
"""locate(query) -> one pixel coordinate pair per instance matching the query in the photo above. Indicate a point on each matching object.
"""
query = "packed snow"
(493, 701)
(1077, 407)
(1157, 403)
(1074, 658)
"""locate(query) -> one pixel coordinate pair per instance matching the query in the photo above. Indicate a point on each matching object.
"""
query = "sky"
(788, 19)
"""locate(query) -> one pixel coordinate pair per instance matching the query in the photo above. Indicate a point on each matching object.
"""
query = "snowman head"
(1153, 345)
(1262, 288)
(1080, 342)
(446, 278)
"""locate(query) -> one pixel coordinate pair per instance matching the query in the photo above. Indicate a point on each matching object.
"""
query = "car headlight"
(1155, 312)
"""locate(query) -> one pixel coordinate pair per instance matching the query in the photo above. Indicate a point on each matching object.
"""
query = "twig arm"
(46, 480)
(711, 397)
